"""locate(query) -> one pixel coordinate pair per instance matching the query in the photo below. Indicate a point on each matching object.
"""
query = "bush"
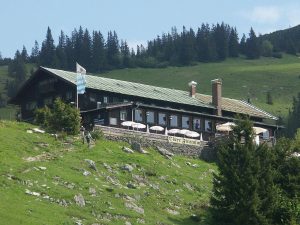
(277, 55)
(97, 134)
(61, 118)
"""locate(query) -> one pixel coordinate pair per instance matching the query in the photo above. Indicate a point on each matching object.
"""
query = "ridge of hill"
(40, 177)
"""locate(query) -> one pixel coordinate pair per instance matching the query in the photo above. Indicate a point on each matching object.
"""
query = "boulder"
(127, 150)
(79, 200)
(91, 164)
(134, 207)
(127, 167)
(164, 152)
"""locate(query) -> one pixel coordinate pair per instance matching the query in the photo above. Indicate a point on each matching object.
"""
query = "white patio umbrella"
(183, 131)
(127, 123)
(166, 131)
(201, 138)
(258, 130)
(192, 134)
(147, 130)
(173, 131)
(156, 128)
(138, 125)
(225, 127)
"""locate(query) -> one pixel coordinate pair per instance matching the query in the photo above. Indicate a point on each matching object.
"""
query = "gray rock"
(131, 185)
(86, 173)
(141, 221)
(173, 212)
(127, 150)
(92, 191)
(127, 167)
(127, 223)
(91, 164)
(136, 146)
(134, 207)
(164, 152)
(79, 200)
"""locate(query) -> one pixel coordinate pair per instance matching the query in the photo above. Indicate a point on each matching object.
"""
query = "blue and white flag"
(80, 79)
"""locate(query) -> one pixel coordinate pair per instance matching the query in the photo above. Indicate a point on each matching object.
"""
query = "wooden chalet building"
(109, 102)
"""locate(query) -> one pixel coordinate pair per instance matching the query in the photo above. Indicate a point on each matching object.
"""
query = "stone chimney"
(217, 95)
(193, 85)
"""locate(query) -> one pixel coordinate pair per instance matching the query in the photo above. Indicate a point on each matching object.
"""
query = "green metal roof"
(132, 89)
(159, 93)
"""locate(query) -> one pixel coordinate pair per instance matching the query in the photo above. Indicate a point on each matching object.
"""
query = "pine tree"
(293, 122)
(98, 53)
(242, 47)
(252, 46)
(125, 52)
(112, 50)
(243, 192)
(233, 44)
(47, 55)
(220, 33)
(35, 52)
(61, 52)
(86, 50)
(24, 54)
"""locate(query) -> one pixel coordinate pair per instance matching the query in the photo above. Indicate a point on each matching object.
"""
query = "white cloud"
(264, 14)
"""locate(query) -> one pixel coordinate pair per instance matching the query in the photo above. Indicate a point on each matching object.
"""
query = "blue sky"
(23, 22)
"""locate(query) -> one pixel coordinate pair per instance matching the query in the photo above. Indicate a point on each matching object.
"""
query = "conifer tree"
(61, 52)
(24, 54)
(233, 45)
(243, 192)
(35, 51)
(252, 46)
(242, 47)
(47, 55)
(98, 52)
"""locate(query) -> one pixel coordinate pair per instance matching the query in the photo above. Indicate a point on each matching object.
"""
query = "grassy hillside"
(52, 172)
(241, 79)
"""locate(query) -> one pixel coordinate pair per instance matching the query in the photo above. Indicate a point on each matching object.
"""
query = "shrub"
(61, 117)
(97, 134)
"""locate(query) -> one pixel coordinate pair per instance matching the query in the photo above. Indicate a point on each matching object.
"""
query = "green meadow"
(39, 177)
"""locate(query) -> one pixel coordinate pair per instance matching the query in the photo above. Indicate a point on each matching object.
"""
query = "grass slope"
(241, 79)
(161, 185)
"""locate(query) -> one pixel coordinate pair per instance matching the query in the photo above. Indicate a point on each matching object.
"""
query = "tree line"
(209, 43)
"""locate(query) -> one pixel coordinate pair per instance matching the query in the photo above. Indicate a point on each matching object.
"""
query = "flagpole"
(76, 98)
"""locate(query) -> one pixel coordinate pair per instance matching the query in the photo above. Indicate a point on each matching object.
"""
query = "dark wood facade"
(111, 109)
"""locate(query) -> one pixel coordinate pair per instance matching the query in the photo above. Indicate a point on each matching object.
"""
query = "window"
(125, 100)
(105, 99)
(138, 115)
(150, 117)
(92, 97)
(185, 122)
(208, 125)
(161, 118)
(197, 123)
(173, 121)
(123, 115)
(69, 95)
(115, 99)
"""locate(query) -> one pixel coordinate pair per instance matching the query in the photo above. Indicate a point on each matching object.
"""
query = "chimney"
(217, 95)
(193, 85)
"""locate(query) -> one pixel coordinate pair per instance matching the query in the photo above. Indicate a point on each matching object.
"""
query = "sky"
(136, 21)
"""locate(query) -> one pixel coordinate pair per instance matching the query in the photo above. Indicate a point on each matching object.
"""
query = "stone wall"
(204, 151)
